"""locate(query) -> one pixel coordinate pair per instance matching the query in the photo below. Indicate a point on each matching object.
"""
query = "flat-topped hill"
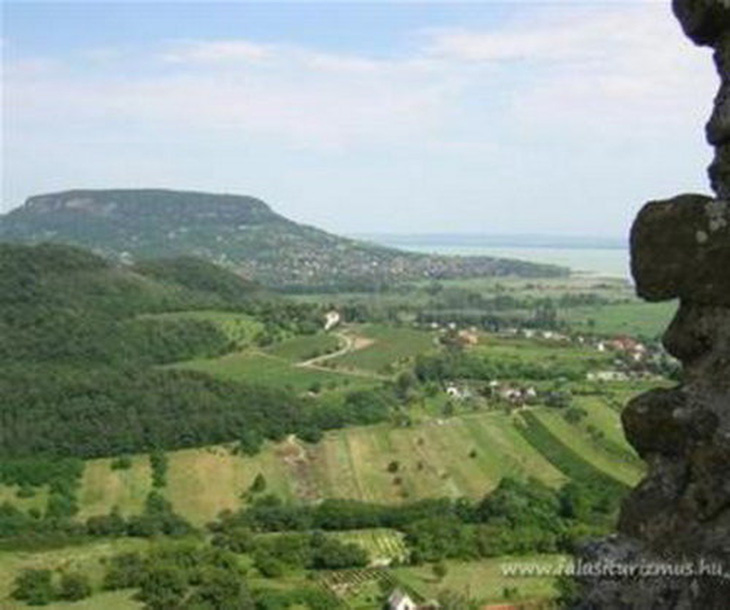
(240, 232)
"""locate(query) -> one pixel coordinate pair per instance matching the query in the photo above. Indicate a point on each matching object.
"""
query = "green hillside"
(170, 422)
(239, 232)
(83, 341)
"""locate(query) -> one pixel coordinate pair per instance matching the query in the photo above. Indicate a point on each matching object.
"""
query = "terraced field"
(434, 459)
(462, 456)
(607, 419)
(382, 545)
(625, 471)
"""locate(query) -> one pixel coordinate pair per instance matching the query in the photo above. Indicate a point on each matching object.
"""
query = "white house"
(399, 600)
(331, 319)
(454, 391)
(607, 376)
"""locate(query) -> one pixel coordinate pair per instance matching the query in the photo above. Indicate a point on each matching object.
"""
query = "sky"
(550, 117)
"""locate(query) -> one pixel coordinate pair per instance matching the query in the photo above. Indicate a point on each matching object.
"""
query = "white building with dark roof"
(399, 600)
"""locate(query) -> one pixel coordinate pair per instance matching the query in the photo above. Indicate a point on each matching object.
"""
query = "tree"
(163, 587)
(74, 586)
(220, 589)
(34, 587)
(259, 484)
(158, 464)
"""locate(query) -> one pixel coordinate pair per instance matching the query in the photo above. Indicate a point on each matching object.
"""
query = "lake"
(610, 259)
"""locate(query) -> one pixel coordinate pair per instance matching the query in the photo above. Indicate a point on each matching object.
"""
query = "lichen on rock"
(679, 515)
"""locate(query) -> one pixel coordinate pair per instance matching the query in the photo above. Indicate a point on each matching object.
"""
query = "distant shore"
(605, 257)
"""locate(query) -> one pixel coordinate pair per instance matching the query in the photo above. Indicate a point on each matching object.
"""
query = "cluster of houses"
(629, 346)
(505, 392)
(622, 344)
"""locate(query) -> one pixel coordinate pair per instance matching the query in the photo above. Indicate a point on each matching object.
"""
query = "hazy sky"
(480, 117)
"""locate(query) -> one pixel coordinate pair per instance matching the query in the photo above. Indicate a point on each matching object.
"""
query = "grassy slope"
(86, 559)
(103, 488)
(305, 347)
(9, 494)
(349, 463)
(481, 579)
(265, 369)
(108, 600)
(389, 345)
(606, 419)
(636, 318)
(624, 471)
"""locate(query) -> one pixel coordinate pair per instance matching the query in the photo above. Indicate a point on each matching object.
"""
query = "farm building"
(331, 319)
(399, 600)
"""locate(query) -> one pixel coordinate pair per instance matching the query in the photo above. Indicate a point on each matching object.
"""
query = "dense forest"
(80, 372)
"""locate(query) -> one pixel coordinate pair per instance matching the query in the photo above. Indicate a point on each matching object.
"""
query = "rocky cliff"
(672, 550)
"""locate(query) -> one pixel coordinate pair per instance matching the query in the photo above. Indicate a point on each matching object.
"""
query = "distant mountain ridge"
(239, 232)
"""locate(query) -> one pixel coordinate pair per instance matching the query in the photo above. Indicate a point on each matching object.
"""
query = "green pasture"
(623, 469)
(305, 347)
(484, 579)
(103, 489)
(9, 493)
(384, 347)
(85, 558)
(635, 318)
(265, 369)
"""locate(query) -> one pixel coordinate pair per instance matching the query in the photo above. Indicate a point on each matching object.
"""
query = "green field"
(466, 455)
(373, 350)
(108, 600)
(483, 579)
(305, 347)
(434, 461)
(539, 351)
(103, 488)
(626, 471)
(384, 347)
(38, 501)
(266, 369)
(240, 329)
(607, 419)
(382, 545)
(636, 318)
(87, 559)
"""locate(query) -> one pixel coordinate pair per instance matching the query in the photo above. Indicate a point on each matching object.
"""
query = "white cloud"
(217, 51)
(562, 66)
(478, 112)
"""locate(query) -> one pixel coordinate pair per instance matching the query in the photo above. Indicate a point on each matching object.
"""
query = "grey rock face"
(680, 248)
(680, 513)
(704, 21)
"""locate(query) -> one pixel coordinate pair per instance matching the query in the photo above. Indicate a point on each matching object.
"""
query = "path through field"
(351, 343)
